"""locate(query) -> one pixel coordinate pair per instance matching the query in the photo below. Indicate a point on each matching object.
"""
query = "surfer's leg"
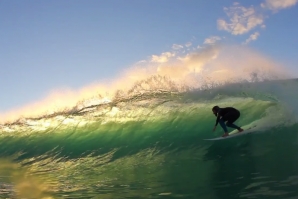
(231, 125)
(232, 117)
(223, 125)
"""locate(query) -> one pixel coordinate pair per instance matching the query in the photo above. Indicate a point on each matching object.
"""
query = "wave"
(149, 128)
(152, 113)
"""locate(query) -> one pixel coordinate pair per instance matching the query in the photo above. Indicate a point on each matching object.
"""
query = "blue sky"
(47, 45)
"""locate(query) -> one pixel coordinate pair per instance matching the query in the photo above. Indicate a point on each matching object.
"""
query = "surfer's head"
(215, 109)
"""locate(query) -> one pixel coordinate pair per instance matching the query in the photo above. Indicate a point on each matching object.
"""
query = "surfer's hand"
(214, 128)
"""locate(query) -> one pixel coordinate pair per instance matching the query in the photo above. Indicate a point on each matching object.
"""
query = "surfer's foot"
(225, 135)
(240, 130)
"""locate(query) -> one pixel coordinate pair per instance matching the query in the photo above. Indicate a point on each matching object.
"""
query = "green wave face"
(151, 146)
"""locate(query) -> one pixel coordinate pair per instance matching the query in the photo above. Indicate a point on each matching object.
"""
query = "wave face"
(150, 145)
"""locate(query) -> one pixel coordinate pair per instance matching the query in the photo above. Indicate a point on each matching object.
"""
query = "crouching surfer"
(228, 115)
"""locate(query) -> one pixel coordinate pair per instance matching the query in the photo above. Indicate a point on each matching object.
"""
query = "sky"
(52, 48)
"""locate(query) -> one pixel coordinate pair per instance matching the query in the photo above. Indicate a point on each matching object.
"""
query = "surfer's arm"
(218, 116)
(217, 120)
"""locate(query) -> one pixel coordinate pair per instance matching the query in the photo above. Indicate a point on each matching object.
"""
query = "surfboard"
(234, 134)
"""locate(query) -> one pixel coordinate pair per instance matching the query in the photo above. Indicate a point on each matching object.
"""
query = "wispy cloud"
(212, 40)
(241, 19)
(164, 57)
(177, 47)
(252, 37)
(278, 4)
(188, 44)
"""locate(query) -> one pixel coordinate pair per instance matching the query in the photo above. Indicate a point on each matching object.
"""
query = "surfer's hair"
(215, 108)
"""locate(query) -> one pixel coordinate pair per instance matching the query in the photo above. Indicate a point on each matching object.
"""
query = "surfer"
(228, 114)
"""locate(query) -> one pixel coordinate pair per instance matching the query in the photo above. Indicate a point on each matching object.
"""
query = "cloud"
(212, 40)
(241, 19)
(214, 63)
(164, 57)
(177, 47)
(141, 61)
(278, 4)
(252, 37)
(188, 44)
(185, 65)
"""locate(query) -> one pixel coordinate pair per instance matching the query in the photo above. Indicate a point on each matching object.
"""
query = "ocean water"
(151, 145)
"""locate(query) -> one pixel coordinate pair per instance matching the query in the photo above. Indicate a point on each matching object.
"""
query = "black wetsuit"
(228, 114)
